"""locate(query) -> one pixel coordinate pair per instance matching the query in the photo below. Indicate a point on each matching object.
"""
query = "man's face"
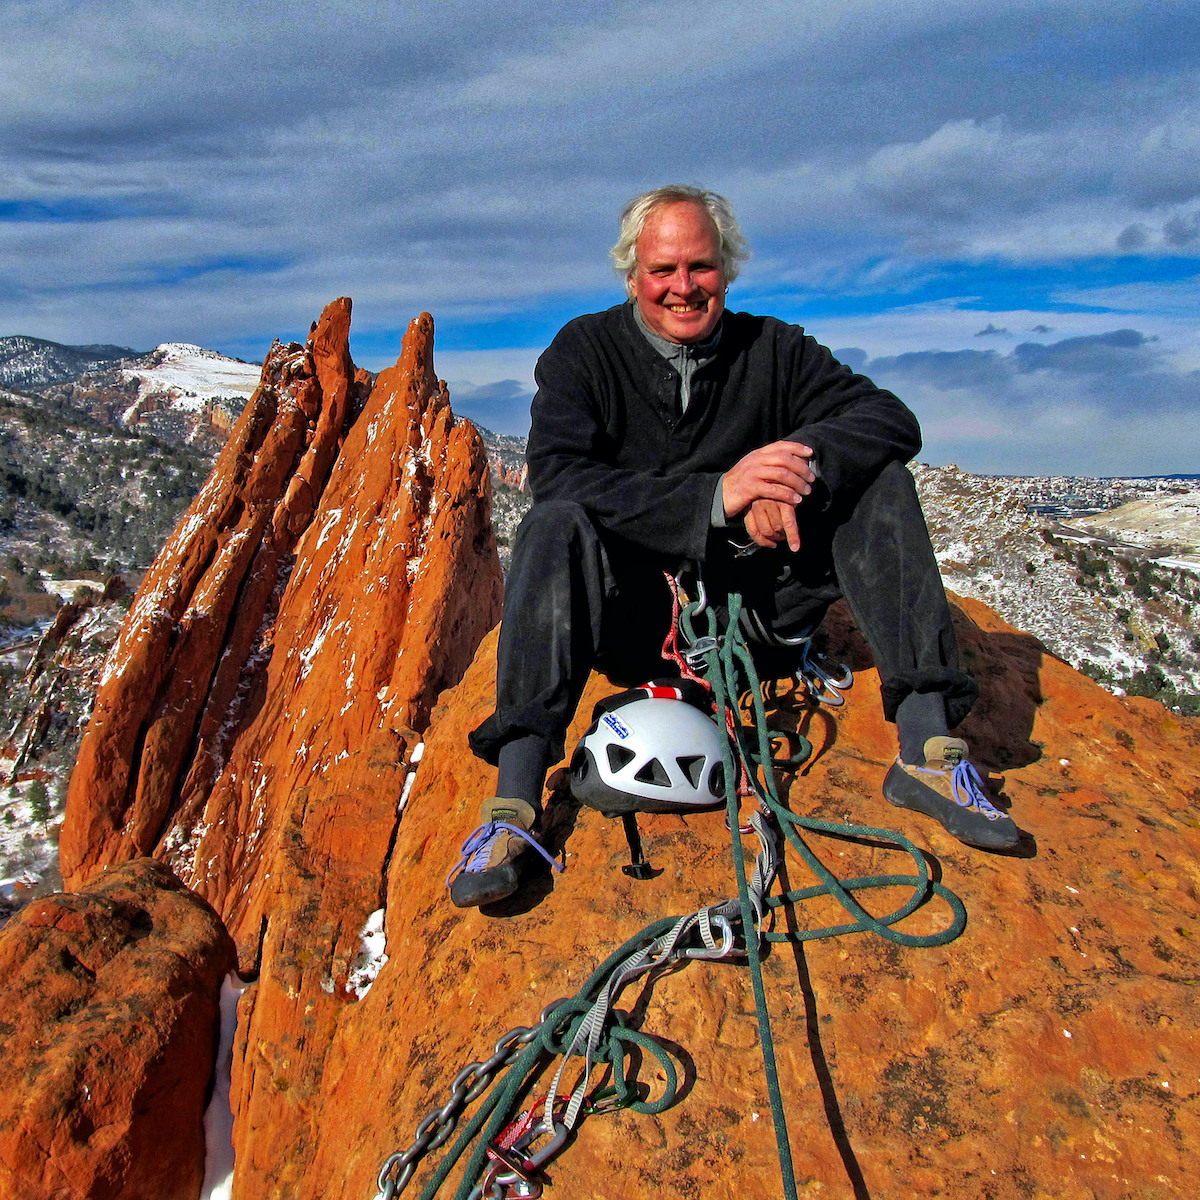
(678, 282)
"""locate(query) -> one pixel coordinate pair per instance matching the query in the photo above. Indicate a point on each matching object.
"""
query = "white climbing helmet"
(649, 755)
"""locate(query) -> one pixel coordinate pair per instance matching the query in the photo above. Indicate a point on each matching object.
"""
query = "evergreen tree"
(39, 802)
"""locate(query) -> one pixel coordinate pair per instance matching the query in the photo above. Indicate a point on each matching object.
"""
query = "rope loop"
(627, 1090)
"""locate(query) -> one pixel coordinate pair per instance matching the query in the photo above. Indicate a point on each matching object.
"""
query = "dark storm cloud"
(1117, 353)
(1120, 352)
(1182, 231)
(1133, 237)
(950, 369)
(1110, 404)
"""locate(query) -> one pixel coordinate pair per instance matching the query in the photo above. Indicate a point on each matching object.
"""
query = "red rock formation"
(394, 584)
(208, 592)
(109, 1030)
(335, 574)
(254, 662)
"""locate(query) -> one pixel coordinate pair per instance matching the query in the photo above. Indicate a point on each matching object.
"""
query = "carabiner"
(721, 951)
(510, 1174)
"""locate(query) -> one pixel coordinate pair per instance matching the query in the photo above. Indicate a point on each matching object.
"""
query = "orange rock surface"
(1050, 1051)
(109, 1028)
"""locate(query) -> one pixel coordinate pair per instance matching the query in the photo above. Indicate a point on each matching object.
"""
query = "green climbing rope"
(723, 663)
(729, 659)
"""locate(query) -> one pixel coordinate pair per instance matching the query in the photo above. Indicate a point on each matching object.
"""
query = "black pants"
(577, 599)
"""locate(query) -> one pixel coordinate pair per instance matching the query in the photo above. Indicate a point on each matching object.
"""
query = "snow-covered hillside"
(1109, 605)
(188, 376)
(1171, 522)
(177, 393)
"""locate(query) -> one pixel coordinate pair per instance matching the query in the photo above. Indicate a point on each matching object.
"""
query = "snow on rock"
(177, 665)
(371, 959)
(218, 1116)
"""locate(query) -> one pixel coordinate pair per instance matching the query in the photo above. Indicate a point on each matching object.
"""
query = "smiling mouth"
(686, 308)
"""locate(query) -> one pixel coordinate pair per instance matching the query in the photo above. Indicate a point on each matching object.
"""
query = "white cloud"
(480, 366)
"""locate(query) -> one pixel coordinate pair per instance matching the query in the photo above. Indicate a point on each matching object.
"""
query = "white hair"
(733, 246)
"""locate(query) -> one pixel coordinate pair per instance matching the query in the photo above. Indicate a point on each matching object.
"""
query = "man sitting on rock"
(669, 430)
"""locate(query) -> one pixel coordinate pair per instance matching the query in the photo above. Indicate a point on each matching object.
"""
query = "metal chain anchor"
(468, 1085)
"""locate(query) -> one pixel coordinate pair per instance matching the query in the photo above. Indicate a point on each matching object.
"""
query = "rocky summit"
(281, 731)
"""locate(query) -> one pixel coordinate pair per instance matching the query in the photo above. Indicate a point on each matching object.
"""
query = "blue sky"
(993, 210)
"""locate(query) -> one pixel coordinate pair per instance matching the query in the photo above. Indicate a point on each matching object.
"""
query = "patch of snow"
(371, 959)
(64, 589)
(332, 517)
(218, 1117)
(26, 853)
(1179, 564)
(408, 782)
(311, 651)
(190, 376)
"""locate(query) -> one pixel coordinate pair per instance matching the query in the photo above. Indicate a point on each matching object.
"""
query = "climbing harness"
(588, 1028)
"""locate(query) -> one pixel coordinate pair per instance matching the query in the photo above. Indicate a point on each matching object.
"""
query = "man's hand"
(766, 485)
(768, 522)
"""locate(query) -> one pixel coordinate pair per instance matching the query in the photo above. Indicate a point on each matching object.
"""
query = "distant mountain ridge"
(29, 362)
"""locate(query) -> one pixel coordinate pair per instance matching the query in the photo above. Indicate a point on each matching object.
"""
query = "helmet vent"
(716, 781)
(618, 757)
(653, 772)
(692, 766)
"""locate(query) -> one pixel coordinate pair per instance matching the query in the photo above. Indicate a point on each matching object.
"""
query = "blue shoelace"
(476, 849)
(967, 785)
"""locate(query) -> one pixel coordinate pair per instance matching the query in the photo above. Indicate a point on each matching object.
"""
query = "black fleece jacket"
(606, 432)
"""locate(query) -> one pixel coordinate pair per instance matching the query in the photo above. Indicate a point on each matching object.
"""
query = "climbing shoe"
(487, 870)
(949, 789)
